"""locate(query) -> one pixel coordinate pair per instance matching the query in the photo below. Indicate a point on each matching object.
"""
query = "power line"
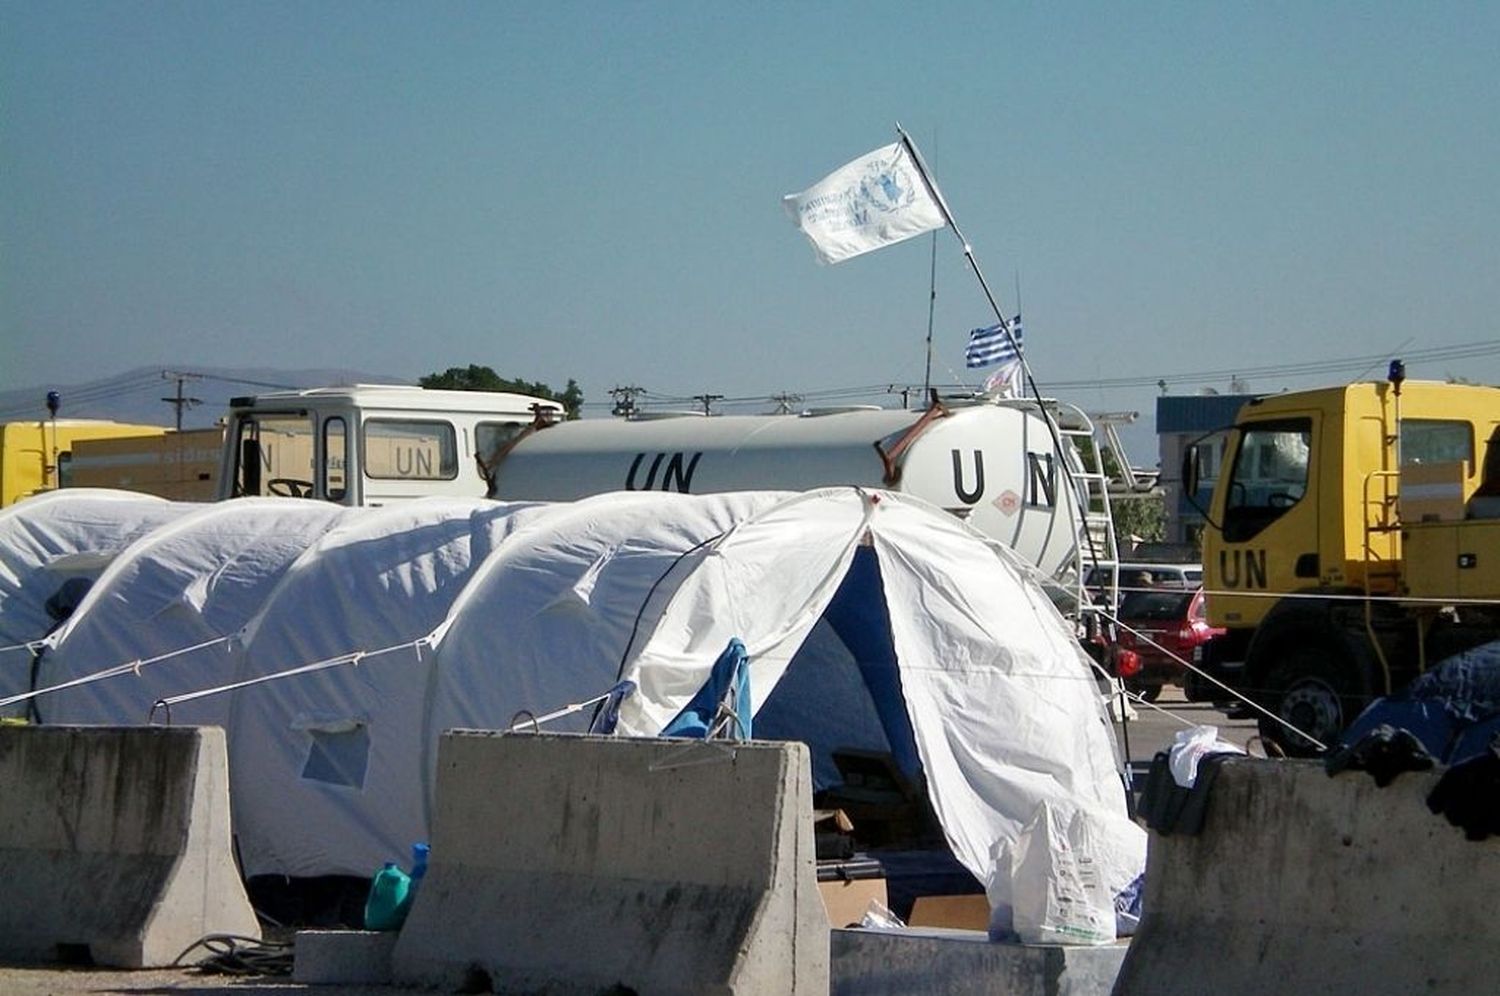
(1432, 356)
(90, 394)
(1437, 354)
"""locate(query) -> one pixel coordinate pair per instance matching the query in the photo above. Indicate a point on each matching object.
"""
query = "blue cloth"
(1454, 709)
(1468, 683)
(607, 717)
(1425, 719)
(1474, 741)
(731, 672)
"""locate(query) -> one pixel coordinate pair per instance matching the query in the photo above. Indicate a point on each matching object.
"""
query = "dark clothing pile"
(1449, 717)
(1169, 808)
(1384, 752)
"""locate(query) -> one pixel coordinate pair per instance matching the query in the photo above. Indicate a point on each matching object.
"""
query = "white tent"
(319, 762)
(996, 703)
(52, 537)
(175, 600)
(871, 619)
(1000, 700)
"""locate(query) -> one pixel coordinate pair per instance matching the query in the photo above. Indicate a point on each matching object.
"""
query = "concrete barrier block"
(1309, 884)
(115, 843)
(566, 864)
(343, 957)
(966, 963)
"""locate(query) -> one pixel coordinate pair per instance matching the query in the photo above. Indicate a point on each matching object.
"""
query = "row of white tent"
(335, 645)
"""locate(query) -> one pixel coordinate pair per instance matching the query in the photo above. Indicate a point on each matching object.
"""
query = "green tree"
(1140, 515)
(1145, 516)
(477, 378)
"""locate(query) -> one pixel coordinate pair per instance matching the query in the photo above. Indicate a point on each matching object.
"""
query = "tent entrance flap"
(842, 689)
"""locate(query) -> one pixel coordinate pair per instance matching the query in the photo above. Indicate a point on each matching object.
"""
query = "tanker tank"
(992, 463)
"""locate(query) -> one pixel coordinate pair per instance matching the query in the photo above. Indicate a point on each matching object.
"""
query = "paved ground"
(1156, 728)
(76, 982)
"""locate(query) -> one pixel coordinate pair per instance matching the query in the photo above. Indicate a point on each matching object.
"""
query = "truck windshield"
(273, 455)
(1269, 476)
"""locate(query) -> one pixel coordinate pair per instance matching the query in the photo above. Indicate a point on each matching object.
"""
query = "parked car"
(1157, 626)
(1136, 575)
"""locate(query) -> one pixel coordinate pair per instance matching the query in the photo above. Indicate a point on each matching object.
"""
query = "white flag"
(874, 201)
(1006, 380)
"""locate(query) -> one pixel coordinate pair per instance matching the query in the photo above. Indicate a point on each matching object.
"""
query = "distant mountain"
(138, 395)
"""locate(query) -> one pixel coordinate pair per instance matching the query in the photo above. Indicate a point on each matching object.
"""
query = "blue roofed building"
(1182, 420)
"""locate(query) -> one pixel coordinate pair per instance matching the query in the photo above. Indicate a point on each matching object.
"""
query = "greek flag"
(991, 345)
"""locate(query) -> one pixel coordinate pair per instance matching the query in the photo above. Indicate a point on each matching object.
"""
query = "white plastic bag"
(878, 916)
(1190, 747)
(1058, 893)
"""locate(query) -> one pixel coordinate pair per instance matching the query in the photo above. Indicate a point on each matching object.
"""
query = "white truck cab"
(372, 444)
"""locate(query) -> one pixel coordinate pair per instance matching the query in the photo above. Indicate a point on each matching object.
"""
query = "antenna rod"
(931, 307)
(937, 196)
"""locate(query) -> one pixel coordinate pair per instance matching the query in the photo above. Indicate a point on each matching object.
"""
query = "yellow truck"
(1351, 542)
(37, 456)
(182, 466)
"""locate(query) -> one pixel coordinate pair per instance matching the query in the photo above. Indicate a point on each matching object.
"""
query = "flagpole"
(931, 307)
(937, 196)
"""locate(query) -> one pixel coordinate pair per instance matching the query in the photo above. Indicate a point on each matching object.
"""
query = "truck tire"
(1314, 690)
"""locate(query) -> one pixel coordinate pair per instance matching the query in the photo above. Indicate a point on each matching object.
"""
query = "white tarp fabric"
(323, 766)
(189, 584)
(49, 538)
(463, 612)
(766, 582)
(543, 620)
(578, 592)
(1003, 704)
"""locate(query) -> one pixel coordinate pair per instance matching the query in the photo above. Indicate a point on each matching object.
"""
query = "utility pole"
(784, 402)
(625, 400)
(708, 399)
(179, 402)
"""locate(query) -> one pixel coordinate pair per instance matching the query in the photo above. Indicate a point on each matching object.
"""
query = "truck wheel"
(1311, 690)
(1195, 688)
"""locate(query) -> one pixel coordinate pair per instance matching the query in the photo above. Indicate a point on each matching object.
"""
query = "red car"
(1154, 626)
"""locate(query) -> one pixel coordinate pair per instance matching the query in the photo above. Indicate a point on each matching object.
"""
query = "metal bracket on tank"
(540, 419)
(890, 457)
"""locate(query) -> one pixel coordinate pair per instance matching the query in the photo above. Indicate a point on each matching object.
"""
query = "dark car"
(1159, 626)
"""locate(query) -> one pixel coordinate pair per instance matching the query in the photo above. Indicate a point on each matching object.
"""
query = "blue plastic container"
(418, 872)
(419, 854)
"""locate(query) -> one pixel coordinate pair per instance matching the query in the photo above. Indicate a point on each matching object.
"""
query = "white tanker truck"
(991, 462)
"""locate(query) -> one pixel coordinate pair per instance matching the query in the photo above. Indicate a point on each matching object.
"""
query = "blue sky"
(591, 190)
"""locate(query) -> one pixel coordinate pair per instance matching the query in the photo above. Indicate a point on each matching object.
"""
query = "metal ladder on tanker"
(1097, 548)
